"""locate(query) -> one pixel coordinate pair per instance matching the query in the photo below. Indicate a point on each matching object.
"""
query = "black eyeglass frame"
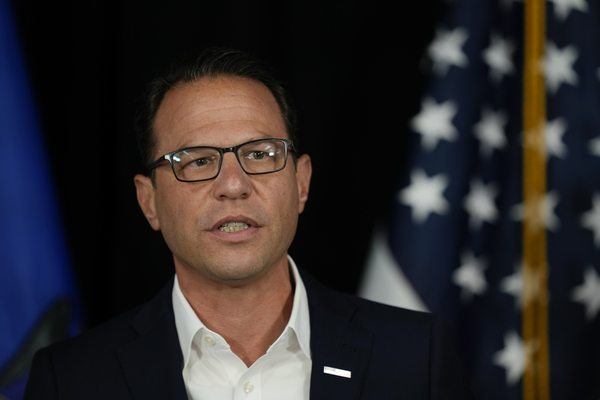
(289, 145)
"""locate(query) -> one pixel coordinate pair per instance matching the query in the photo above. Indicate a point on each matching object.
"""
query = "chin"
(236, 272)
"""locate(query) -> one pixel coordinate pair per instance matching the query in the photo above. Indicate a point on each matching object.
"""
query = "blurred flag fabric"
(37, 293)
(453, 243)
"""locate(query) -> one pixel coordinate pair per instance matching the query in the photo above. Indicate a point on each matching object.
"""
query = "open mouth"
(233, 226)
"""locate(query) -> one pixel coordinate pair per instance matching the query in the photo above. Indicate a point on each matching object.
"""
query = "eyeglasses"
(195, 164)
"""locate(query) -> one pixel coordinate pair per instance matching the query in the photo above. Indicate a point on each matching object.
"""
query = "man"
(239, 320)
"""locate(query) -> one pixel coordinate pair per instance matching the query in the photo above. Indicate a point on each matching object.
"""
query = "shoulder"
(362, 310)
(80, 364)
(99, 345)
(409, 348)
(109, 335)
(80, 367)
(123, 328)
(391, 327)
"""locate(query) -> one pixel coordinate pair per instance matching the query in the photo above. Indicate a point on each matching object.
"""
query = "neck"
(249, 317)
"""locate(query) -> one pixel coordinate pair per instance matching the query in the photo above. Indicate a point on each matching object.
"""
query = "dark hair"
(209, 63)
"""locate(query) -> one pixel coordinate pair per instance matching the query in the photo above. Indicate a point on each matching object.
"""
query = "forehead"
(222, 111)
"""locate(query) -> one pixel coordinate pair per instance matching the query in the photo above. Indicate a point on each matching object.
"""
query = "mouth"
(233, 226)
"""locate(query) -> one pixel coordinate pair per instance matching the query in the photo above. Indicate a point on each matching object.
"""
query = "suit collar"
(335, 342)
(152, 362)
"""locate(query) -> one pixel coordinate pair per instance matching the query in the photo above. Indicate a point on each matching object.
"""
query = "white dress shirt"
(212, 371)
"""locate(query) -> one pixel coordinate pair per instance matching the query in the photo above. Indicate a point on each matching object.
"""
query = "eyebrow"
(264, 136)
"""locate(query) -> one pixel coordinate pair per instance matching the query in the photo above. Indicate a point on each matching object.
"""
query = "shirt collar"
(186, 321)
(188, 324)
(300, 318)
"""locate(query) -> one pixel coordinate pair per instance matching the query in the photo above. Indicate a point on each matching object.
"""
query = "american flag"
(455, 229)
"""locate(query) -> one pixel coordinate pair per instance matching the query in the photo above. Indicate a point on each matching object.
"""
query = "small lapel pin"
(337, 372)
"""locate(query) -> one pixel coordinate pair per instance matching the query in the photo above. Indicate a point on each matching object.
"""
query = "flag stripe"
(535, 314)
(384, 281)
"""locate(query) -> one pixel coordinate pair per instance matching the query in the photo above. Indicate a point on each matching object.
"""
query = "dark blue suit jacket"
(392, 354)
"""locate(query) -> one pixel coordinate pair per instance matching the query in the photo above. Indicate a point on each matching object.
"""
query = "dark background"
(352, 66)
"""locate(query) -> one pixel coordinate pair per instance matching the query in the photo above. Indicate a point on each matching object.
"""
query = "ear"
(146, 196)
(303, 174)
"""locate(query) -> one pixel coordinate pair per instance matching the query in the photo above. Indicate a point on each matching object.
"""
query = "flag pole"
(536, 384)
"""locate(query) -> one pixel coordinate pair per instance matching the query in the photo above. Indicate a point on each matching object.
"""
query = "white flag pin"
(337, 372)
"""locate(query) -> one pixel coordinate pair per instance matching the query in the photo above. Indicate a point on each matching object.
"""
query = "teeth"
(233, 226)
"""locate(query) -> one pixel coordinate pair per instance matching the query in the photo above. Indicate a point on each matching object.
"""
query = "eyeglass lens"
(200, 163)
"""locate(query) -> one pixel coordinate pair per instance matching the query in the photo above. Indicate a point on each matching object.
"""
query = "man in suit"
(239, 319)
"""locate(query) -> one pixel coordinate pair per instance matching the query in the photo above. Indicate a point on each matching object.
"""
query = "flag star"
(558, 66)
(562, 8)
(554, 138)
(523, 290)
(512, 357)
(434, 123)
(446, 50)
(513, 285)
(539, 212)
(594, 146)
(469, 276)
(498, 57)
(479, 203)
(490, 131)
(588, 293)
(591, 218)
(424, 195)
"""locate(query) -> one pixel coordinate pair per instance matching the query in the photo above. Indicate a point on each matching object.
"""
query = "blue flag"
(455, 231)
(37, 295)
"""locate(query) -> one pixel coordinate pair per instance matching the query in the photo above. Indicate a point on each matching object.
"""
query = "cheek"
(286, 196)
(174, 212)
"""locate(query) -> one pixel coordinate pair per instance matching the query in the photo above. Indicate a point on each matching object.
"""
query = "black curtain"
(352, 66)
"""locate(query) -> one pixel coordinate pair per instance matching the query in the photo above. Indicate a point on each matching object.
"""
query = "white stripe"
(337, 372)
(383, 280)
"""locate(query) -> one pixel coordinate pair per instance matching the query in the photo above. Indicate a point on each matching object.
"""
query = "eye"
(257, 155)
(200, 162)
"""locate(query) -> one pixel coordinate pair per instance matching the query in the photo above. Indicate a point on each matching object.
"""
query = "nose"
(232, 182)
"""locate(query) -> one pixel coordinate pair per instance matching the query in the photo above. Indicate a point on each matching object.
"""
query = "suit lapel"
(335, 343)
(152, 362)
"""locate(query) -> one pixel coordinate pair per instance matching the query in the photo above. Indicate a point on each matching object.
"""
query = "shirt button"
(248, 386)
(209, 340)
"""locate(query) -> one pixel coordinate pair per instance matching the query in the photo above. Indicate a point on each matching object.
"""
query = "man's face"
(223, 112)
